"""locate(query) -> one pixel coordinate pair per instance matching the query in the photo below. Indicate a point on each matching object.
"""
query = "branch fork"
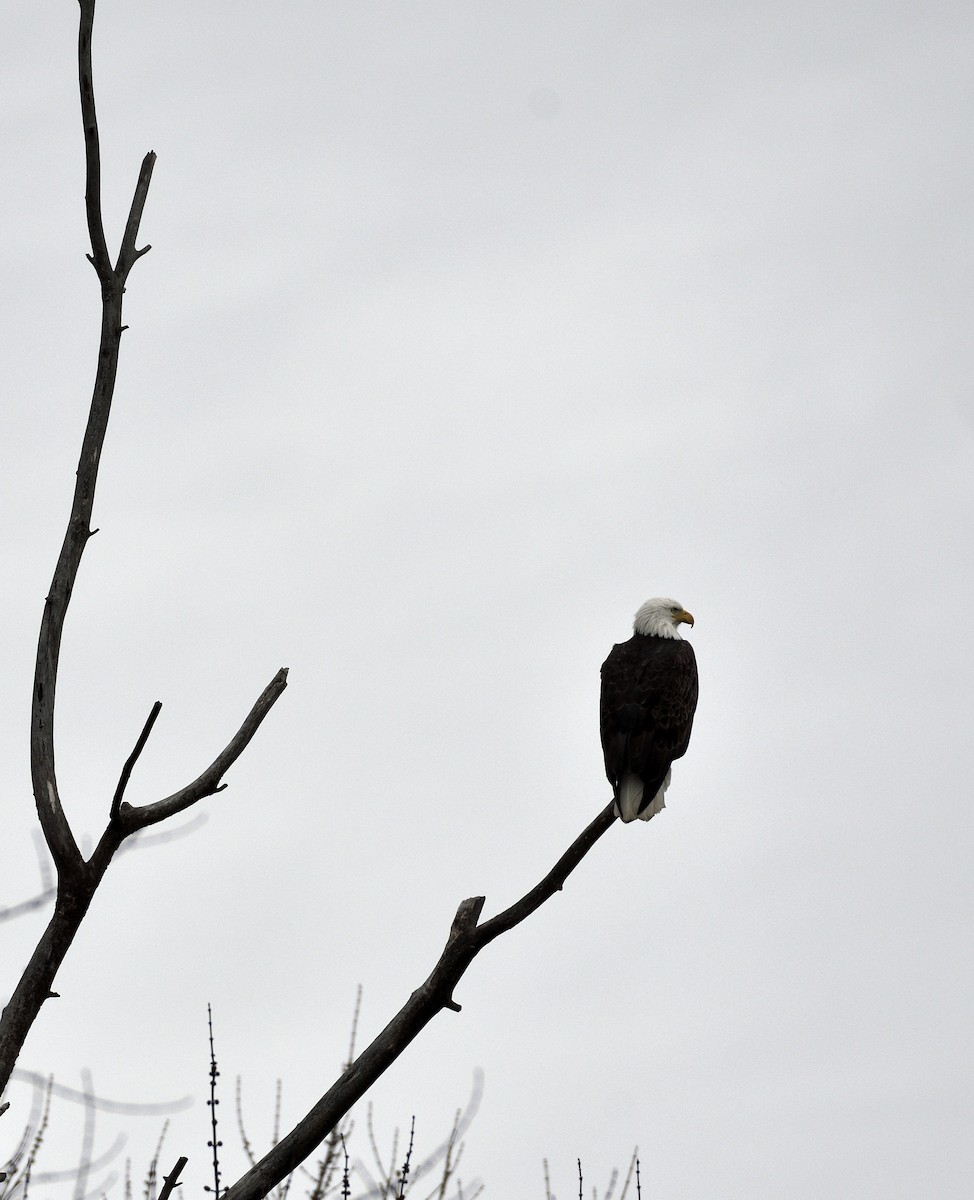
(78, 878)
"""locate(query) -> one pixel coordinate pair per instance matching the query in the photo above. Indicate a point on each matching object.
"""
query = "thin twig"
(629, 1174)
(354, 1034)
(215, 1144)
(87, 1137)
(128, 254)
(101, 1103)
(346, 1183)
(96, 228)
(404, 1174)
(241, 1128)
(133, 758)
(149, 1187)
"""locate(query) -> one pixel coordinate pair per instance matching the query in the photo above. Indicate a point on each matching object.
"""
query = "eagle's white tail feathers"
(631, 796)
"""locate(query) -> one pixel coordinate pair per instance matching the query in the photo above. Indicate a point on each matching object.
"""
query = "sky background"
(466, 328)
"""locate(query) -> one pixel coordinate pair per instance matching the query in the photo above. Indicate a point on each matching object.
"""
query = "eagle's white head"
(661, 617)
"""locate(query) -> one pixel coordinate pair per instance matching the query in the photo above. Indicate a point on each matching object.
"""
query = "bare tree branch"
(159, 1108)
(128, 254)
(48, 888)
(60, 839)
(78, 879)
(130, 819)
(467, 938)
(76, 889)
(551, 883)
(133, 758)
(96, 228)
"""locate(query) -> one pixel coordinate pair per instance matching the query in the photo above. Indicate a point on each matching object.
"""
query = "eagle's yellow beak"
(684, 618)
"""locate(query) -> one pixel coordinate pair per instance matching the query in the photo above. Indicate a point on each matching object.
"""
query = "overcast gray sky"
(466, 328)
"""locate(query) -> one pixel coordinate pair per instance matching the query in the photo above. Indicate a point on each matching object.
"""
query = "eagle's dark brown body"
(649, 694)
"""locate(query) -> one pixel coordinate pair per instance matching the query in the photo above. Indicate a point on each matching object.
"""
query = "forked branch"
(60, 839)
(127, 819)
(77, 879)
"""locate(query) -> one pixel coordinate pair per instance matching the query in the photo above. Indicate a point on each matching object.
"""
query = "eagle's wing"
(649, 694)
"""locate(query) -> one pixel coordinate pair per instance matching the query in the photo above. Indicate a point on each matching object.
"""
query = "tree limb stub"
(171, 1180)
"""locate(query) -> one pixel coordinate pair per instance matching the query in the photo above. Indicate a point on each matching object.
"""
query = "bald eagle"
(649, 693)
